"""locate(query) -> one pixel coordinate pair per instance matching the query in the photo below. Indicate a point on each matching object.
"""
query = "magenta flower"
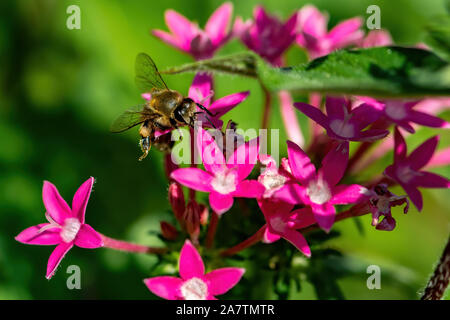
(65, 227)
(282, 222)
(223, 179)
(403, 113)
(272, 177)
(267, 36)
(406, 169)
(188, 37)
(376, 38)
(344, 123)
(313, 35)
(380, 203)
(201, 92)
(319, 189)
(194, 284)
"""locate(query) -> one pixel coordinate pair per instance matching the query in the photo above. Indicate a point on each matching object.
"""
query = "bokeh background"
(60, 90)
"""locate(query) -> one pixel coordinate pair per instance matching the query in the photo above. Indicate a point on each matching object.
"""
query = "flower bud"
(169, 165)
(168, 231)
(176, 199)
(192, 220)
(204, 215)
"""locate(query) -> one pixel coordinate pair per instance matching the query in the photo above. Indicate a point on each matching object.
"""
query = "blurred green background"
(60, 90)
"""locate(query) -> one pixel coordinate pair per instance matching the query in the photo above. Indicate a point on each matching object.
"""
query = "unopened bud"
(169, 165)
(168, 231)
(192, 220)
(176, 199)
(204, 215)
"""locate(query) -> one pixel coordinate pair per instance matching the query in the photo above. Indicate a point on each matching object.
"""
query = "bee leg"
(145, 143)
(145, 147)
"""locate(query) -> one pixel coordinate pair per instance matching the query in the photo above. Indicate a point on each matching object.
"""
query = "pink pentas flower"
(193, 283)
(65, 227)
(188, 37)
(380, 203)
(376, 38)
(283, 222)
(272, 177)
(266, 35)
(314, 37)
(343, 122)
(404, 113)
(223, 178)
(406, 170)
(320, 189)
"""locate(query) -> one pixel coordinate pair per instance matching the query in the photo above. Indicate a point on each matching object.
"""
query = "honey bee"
(166, 110)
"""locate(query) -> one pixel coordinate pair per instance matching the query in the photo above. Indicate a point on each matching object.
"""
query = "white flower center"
(272, 180)
(395, 110)
(224, 182)
(194, 289)
(318, 191)
(70, 229)
(278, 224)
(406, 174)
(342, 128)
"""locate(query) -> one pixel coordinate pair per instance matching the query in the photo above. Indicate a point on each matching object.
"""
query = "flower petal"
(225, 104)
(313, 113)
(193, 178)
(211, 154)
(290, 193)
(201, 88)
(371, 135)
(400, 149)
(56, 206)
(217, 25)
(222, 280)
(88, 238)
(302, 218)
(336, 107)
(181, 27)
(297, 239)
(56, 257)
(244, 158)
(365, 114)
(427, 120)
(190, 264)
(32, 235)
(324, 215)
(81, 198)
(414, 195)
(345, 33)
(269, 236)
(169, 39)
(249, 189)
(290, 118)
(423, 153)
(220, 203)
(302, 168)
(432, 180)
(348, 194)
(335, 163)
(165, 287)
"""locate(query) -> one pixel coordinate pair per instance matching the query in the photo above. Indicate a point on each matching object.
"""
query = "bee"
(166, 110)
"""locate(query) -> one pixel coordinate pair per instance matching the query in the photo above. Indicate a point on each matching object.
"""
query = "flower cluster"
(306, 191)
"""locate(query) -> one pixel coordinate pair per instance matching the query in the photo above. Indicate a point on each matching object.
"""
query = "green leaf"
(438, 36)
(382, 71)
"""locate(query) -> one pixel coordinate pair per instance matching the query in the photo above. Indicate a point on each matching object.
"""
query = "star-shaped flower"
(188, 37)
(65, 227)
(319, 189)
(406, 169)
(193, 283)
(224, 179)
(343, 122)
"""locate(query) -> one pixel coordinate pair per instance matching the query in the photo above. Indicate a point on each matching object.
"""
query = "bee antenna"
(206, 110)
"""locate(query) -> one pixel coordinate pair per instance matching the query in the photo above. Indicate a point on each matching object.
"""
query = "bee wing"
(147, 74)
(128, 119)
